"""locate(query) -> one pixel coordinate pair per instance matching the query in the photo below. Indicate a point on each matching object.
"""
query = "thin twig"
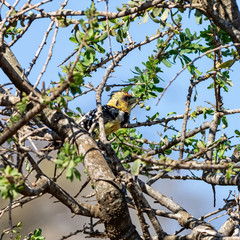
(184, 126)
(190, 165)
(108, 31)
(49, 55)
(18, 203)
(10, 218)
(21, 13)
(40, 48)
(2, 25)
(136, 198)
(83, 186)
(66, 59)
(26, 27)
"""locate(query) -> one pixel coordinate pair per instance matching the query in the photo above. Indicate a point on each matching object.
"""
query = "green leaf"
(154, 116)
(37, 235)
(226, 64)
(166, 63)
(79, 36)
(171, 113)
(69, 171)
(119, 36)
(91, 33)
(66, 148)
(198, 17)
(221, 152)
(93, 8)
(156, 11)
(19, 225)
(201, 145)
(211, 86)
(103, 36)
(138, 69)
(126, 26)
(154, 19)
(237, 132)
(165, 14)
(58, 162)
(126, 153)
(188, 32)
(224, 121)
(99, 48)
(229, 171)
(10, 182)
(68, 158)
(197, 71)
(132, 4)
(145, 17)
(89, 57)
(135, 168)
(77, 174)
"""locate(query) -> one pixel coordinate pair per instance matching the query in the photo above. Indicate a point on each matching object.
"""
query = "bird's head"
(122, 100)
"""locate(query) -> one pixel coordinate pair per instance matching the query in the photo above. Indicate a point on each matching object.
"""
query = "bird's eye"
(126, 98)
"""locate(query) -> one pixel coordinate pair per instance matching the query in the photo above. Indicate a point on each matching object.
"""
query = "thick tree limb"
(226, 15)
(45, 185)
(185, 219)
(108, 192)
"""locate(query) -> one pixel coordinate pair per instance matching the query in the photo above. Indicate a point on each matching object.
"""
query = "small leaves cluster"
(37, 235)
(208, 36)
(69, 159)
(21, 108)
(222, 80)
(15, 229)
(91, 33)
(126, 143)
(160, 15)
(220, 150)
(10, 182)
(145, 81)
(13, 28)
(180, 47)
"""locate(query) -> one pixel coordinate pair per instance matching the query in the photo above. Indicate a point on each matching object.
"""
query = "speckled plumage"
(115, 114)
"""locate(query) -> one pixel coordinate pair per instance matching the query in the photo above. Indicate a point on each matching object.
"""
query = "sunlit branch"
(50, 52)
(185, 119)
(190, 165)
(40, 48)
(114, 15)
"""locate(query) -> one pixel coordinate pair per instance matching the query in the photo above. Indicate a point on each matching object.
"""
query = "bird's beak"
(134, 100)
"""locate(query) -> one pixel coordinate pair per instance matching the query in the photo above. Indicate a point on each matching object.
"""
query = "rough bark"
(113, 207)
(225, 14)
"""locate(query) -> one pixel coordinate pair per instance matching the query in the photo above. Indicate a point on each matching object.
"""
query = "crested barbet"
(115, 114)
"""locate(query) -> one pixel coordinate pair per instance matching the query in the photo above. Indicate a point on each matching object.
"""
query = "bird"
(115, 113)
